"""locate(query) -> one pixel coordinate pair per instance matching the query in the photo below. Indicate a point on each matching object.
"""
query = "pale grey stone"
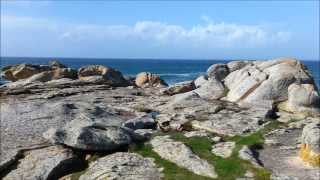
(223, 149)
(45, 163)
(182, 155)
(121, 165)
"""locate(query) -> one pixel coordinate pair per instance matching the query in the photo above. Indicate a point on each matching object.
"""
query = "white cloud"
(208, 34)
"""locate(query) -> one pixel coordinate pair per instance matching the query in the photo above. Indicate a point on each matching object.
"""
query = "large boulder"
(303, 98)
(179, 88)
(22, 71)
(200, 81)
(180, 154)
(41, 73)
(93, 128)
(108, 75)
(263, 83)
(310, 144)
(58, 73)
(122, 165)
(218, 71)
(236, 65)
(147, 79)
(45, 163)
(212, 89)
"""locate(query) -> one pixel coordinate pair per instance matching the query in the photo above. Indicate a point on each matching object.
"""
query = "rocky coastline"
(242, 120)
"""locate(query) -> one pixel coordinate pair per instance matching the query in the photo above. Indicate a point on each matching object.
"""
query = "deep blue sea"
(171, 70)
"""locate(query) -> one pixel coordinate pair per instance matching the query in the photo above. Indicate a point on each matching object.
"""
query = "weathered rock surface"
(236, 65)
(99, 72)
(248, 154)
(179, 88)
(181, 155)
(126, 166)
(282, 159)
(262, 83)
(223, 149)
(196, 134)
(147, 79)
(232, 121)
(143, 122)
(92, 129)
(42, 73)
(45, 163)
(218, 71)
(96, 115)
(212, 89)
(23, 71)
(200, 80)
(310, 144)
(303, 98)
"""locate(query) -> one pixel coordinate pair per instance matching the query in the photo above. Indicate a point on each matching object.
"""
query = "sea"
(171, 70)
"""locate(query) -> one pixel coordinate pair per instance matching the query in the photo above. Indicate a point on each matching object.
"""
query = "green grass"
(229, 168)
(170, 170)
(255, 139)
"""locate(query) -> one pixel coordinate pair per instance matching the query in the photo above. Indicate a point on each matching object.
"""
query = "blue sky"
(180, 29)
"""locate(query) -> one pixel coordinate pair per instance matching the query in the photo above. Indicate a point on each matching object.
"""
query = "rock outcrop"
(200, 81)
(147, 79)
(310, 144)
(23, 71)
(45, 163)
(126, 166)
(236, 65)
(302, 98)
(266, 82)
(91, 129)
(179, 88)
(54, 117)
(42, 73)
(101, 73)
(218, 71)
(211, 89)
(181, 155)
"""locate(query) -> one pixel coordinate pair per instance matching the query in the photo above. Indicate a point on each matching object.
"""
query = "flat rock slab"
(126, 166)
(214, 116)
(282, 158)
(45, 163)
(180, 154)
(233, 122)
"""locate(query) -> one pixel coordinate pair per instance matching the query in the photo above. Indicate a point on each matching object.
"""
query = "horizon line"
(146, 58)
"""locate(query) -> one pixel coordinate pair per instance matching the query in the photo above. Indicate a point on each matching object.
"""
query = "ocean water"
(171, 70)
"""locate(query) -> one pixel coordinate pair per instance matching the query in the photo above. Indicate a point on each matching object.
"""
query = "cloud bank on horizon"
(207, 38)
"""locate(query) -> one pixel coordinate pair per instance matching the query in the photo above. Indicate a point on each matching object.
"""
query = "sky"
(160, 29)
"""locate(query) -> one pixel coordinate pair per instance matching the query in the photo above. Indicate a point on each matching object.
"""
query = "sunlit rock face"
(310, 147)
